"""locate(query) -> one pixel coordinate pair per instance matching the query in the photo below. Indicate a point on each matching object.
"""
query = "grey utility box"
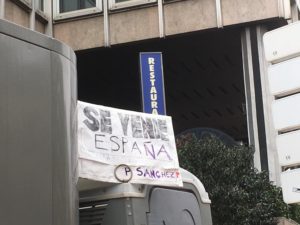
(38, 96)
(134, 204)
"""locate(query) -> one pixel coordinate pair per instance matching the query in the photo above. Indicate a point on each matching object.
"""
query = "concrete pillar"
(2, 8)
(48, 10)
(250, 96)
(32, 15)
(258, 102)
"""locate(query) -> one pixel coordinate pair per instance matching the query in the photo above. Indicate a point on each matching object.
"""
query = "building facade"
(214, 66)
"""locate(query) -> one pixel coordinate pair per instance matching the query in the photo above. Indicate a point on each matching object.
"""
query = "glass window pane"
(40, 4)
(72, 5)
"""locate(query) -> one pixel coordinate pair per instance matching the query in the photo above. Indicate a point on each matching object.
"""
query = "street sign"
(152, 82)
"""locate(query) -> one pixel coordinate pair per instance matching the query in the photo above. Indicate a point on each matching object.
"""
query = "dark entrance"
(203, 79)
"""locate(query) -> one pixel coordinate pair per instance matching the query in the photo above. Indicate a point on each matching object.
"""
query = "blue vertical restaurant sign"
(152, 79)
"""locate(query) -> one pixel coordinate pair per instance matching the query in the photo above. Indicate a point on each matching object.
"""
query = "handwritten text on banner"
(109, 137)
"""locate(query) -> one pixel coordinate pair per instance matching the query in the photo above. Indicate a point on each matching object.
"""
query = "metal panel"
(92, 213)
(291, 186)
(267, 98)
(131, 203)
(173, 207)
(64, 147)
(288, 148)
(37, 129)
(282, 43)
(25, 133)
(36, 39)
(284, 77)
(286, 113)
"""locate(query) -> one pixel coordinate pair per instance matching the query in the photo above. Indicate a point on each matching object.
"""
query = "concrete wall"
(82, 33)
(134, 25)
(190, 15)
(179, 17)
(235, 12)
(39, 26)
(142, 23)
(16, 14)
(20, 15)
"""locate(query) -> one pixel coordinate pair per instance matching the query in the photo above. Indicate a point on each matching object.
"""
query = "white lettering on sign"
(153, 91)
(115, 137)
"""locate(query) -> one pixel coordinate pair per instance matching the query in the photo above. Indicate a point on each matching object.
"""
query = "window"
(40, 5)
(67, 5)
(72, 8)
(117, 4)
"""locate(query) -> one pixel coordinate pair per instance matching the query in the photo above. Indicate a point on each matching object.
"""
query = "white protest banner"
(117, 145)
